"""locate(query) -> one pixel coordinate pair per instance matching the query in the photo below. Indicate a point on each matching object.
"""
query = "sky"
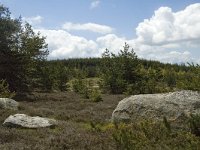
(164, 30)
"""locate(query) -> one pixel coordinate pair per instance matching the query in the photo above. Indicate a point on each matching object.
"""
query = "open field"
(74, 131)
(86, 125)
(71, 71)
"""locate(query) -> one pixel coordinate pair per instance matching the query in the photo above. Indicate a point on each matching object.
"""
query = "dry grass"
(85, 125)
(74, 131)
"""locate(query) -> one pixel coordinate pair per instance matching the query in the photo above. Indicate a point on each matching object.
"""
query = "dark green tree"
(20, 51)
(62, 76)
(119, 71)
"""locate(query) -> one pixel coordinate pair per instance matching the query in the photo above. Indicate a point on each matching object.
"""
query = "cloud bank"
(65, 45)
(167, 36)
(92, 27)
(167, 27)
(174, 34)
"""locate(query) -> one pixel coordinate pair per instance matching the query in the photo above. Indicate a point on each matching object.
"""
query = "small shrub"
(152, 135)
(95, 95)
(85, 92)
(4, 90)
(194, 124)
(123, 137)
(132, 89)
(77, 85)
(81, 87)
(95, 126)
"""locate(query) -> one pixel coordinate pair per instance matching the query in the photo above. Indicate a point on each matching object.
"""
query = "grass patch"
(86, 125)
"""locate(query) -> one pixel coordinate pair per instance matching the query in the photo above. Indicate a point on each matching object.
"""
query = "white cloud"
(166, 27)
(65, 45)
(33, 20)
(93, 27)
(62, 45)
(111, 42)
(172, 57)
(167, 36)
(94, 4)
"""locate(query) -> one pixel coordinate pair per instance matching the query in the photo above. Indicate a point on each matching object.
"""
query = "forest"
(25, 69)
(123, 73)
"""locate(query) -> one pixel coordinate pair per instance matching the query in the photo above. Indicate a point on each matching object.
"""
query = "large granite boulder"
(24, 121)
(7, 103)
(175, 106)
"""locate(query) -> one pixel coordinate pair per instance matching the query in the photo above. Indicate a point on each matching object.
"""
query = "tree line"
(25, 68)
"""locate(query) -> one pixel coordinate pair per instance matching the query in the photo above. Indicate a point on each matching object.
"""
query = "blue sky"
(165, 30)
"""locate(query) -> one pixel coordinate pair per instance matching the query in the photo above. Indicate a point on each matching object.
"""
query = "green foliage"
(20, 51)
(95, 126)
(194, 124)
(52, 77)
(120, 70)
(124, 73)
(190, 79)
(87, 91)
(95, 95)
(77, 85)
(152, 135)
(144, 76)
(46, 78)
(62, 77)
(23, 65)
(4, 90)
(80, 86)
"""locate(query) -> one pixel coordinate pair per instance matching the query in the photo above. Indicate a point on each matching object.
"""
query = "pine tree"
(20, 51)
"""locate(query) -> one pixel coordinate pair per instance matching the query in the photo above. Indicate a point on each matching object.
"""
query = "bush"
(153, 135)
(83, 87)
(4, 90)
(95, 95)
(77, 85)
(194, 124)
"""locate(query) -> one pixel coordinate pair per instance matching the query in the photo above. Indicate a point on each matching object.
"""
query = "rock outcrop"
(7, 103)
(24, 121)
(175, 106)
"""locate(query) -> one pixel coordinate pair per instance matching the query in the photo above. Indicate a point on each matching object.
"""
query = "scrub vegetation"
(81, 93)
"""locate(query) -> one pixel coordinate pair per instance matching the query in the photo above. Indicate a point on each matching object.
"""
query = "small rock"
(25, 121)
(7, 103)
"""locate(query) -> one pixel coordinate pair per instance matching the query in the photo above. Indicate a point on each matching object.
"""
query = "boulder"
(7, 103)
(25, 121)
(175, 106)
